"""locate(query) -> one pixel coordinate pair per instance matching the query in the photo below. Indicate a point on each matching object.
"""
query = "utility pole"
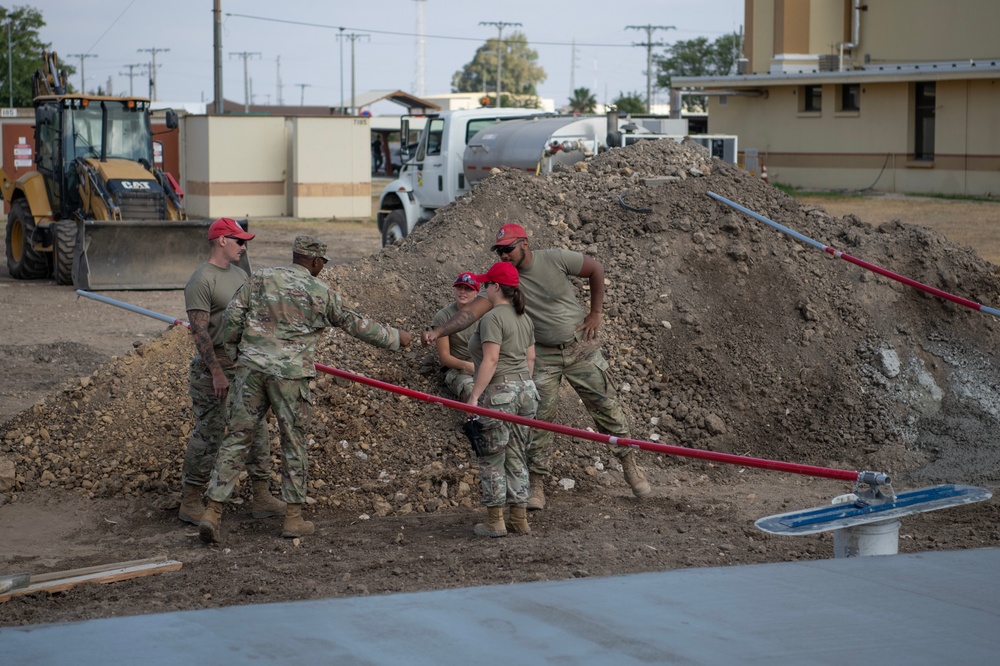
(130, 74)
(340, 38)
(302, 98)
(572, 69)
(10, 64)
(420, 83)
(280, 86)
(500, 25)
(152, 69)
(649, 44)
(217, 56)
(353, 36)
(246, 55)
(82, 57)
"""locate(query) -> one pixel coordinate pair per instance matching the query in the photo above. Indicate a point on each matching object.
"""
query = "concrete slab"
(926, 608)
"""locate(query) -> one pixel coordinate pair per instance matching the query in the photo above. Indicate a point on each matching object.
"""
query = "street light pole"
(500, 26)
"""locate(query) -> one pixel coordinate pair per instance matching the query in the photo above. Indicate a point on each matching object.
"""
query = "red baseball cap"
(502, 272)
(225, 226)
(467, 280)
(508, 234)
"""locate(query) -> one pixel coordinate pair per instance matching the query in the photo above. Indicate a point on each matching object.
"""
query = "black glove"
(473, 429)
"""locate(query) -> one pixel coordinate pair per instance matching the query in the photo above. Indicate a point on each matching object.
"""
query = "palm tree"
(583, 101)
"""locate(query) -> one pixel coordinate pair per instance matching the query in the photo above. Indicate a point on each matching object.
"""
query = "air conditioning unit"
(829, 62)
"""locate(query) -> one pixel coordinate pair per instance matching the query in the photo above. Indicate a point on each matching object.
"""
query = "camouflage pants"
(586, 370)
(250, 395)
(459, 383)
(503, 472)
(210, 428)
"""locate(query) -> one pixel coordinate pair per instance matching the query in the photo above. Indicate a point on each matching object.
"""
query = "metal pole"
(217, 55)
(341, 37)
(10, 64)
(858, 262)
(82, 57)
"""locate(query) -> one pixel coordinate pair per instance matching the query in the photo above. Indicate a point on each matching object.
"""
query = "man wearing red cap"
(566, 345)
(206, 296)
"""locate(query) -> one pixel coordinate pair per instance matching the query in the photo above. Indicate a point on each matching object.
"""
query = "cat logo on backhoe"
(135, 184)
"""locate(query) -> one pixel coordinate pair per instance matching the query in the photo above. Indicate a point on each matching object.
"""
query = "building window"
(811, 99)
(849, 98)
(925, 95)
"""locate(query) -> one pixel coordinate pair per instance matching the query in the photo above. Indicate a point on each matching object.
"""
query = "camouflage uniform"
(503, 472)
(275, 321)
(209, 290)
(586, 370)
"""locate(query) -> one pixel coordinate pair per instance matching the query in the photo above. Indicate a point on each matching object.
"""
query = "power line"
(649, 44)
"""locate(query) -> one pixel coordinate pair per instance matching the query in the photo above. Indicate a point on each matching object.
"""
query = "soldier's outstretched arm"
(462, 320)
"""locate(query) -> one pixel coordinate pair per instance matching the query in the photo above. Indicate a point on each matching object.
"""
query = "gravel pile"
(723, 334)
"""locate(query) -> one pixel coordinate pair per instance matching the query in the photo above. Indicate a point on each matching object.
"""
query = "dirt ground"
(394, 508)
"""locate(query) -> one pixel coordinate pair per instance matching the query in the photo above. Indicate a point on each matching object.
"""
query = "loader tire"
(63, 244)
(394, 227)
(23, 261)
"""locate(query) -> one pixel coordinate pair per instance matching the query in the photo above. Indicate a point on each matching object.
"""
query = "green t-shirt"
(210, 289)
(458, 342)
(549, 297)
(514, 333)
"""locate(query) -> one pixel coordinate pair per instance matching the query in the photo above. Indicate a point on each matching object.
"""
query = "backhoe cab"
(96, 212)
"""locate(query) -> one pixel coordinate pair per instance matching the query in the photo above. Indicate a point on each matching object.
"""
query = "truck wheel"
(394, 227)
(63, 244)
(23, 261)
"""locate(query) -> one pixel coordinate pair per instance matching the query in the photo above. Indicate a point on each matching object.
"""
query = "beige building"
(892, 95)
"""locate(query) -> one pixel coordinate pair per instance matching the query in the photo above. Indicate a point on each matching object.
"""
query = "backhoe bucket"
(116, 255)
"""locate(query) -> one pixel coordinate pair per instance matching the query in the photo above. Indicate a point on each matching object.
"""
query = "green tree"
(698, 57)
(632, 102)
(26, 47)
(519, 69)
(583, 101)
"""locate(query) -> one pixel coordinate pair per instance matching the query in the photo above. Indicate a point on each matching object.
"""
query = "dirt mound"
(723, 333)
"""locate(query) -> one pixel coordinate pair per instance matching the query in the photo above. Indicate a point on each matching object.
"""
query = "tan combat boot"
(536, 497)
(634, 477)
(191, 505)
(265, 505)
(494, 525)
(210, 527)
(294, 525)
(518, 523)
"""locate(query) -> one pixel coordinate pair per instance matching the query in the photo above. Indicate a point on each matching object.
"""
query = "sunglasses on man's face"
(239, 241)
(507, 249)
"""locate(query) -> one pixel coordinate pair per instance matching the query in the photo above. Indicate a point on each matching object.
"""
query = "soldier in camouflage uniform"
(206, 296)
(503, 347)
(566, 345)
(453, 350)
(272, 326)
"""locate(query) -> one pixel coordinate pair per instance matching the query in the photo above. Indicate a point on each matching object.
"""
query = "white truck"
(456, 149)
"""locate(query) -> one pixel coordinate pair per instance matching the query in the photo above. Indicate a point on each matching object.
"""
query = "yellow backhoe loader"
(96, 212)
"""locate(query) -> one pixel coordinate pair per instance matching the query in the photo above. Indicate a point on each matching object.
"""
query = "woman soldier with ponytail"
(503, 348)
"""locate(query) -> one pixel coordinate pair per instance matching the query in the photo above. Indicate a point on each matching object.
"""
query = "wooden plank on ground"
(105, 575)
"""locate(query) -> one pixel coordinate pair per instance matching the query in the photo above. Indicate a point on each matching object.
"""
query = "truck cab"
(433, 175)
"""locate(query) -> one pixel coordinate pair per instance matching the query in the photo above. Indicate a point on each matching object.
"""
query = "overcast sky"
(303, 35)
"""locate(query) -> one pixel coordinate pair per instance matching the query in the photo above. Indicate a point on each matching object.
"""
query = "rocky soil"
(724, 335)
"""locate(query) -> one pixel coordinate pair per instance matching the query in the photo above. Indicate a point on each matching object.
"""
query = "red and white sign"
(23, 154)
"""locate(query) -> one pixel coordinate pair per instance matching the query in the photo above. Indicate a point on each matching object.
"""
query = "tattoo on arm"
(202, 340)
(462, 320)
